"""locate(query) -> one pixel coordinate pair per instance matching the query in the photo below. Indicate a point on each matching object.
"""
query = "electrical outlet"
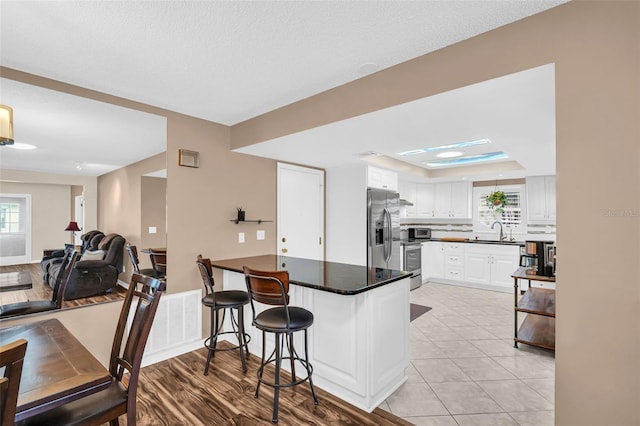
(241, 237)
(260, 235)
(152, 230)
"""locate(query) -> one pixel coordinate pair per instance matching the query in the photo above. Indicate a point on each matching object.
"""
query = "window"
(9, 217)
(15, 229)
(511, 217)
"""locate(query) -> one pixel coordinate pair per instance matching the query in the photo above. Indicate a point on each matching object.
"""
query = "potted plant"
(496, 201)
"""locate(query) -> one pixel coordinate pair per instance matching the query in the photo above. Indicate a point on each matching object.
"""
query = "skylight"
(498, 155)
(445, 147)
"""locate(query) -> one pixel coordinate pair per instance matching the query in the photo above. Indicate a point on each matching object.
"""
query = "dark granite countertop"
(340, 278)
(474, 241)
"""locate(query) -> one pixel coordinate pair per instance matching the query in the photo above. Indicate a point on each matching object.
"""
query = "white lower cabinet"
(491, 264)
(454, 261)
(432, 260)
(472, 264)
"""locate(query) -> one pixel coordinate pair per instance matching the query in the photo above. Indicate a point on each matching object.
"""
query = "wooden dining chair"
(126, 357)
(11, 358)
(135, 262)
(159, 262)
(35, 306)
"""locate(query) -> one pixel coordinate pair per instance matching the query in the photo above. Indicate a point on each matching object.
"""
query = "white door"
(79, 215)
(300, 212)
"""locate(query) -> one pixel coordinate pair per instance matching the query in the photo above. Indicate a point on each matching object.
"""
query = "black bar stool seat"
(274, 320)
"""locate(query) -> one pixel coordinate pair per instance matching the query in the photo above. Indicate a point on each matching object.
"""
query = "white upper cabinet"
(437, 200)
(425, 200)
(541, 199)
(382, 179)
(460, 199)
(452, 200)
(407, 192)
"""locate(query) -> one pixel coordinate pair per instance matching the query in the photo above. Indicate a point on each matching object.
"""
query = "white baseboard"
(171, 352)
(468, 284)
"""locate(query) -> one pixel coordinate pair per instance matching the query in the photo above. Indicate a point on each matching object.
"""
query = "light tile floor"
(464, 369)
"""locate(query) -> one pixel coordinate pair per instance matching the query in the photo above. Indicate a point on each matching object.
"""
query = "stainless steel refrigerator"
(383, 234)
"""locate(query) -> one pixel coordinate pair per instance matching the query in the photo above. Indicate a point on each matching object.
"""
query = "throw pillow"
(93, 255)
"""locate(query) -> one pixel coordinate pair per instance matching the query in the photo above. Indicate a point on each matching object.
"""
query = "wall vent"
(177, 327)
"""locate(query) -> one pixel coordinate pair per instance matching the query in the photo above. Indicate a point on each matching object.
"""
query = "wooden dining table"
(57, 368)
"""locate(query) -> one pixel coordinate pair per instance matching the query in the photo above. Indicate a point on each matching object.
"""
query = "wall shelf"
(255, 220)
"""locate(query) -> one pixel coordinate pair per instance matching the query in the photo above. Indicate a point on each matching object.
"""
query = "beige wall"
(93, 326)
(50, 213)
(154, 213)
(595, 47)
(88, 184)
(120, 203)
(202, 201)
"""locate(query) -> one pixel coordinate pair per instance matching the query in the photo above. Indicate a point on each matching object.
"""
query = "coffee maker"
(540, 257)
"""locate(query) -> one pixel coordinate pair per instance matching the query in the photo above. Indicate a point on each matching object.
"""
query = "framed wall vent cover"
(188, 158)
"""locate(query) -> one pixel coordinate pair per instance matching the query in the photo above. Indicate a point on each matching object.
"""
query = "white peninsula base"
(358, 344)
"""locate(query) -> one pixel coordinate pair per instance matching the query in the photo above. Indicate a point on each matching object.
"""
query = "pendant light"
(6, 125)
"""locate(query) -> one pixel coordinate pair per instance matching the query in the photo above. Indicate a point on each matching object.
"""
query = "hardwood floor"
(42, 291)
(176, 392)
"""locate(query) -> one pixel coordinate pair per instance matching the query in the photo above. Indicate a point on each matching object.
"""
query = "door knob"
(284, 250)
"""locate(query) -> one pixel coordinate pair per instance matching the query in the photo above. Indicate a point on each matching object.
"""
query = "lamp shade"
(6, 125)
(72, 226)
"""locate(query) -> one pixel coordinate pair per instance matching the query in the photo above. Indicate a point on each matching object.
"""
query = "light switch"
(260, 235)
(241, 237)
(152, 230)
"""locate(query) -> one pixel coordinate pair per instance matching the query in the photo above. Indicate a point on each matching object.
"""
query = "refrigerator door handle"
(388, 236)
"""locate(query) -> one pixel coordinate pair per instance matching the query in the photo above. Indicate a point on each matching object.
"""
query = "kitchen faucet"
(502, 236)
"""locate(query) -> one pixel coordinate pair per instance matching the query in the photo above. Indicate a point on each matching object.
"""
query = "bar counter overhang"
(359, 341)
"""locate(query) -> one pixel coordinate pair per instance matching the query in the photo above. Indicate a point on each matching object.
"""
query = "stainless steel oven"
(412, 262)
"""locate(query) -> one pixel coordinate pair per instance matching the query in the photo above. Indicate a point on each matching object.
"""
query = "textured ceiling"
(228, 61)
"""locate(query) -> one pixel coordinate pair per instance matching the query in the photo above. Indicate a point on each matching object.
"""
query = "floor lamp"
(73, 227)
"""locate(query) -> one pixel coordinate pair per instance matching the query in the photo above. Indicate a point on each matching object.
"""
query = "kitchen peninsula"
(359, 341)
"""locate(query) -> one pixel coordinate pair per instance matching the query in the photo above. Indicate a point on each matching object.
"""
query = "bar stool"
(223, 300)
(272, 288)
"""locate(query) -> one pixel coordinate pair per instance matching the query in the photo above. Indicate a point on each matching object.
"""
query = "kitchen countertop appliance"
(419, 233)
(412, 261)
(540, 258)
(383, 229)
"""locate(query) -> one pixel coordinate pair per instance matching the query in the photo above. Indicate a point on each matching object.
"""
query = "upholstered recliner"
(96, 272)
(90, 241)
